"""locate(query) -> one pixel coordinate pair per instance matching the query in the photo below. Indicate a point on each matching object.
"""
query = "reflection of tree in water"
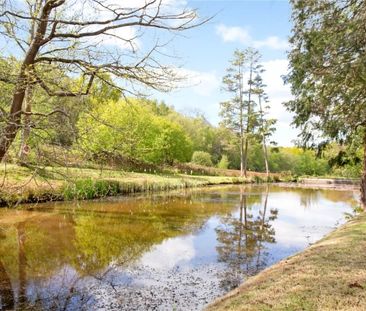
(31, 250)
(7, 294)
(54, 261)
(311, 197)
(308, 197)
(6, 290)
(242, 240)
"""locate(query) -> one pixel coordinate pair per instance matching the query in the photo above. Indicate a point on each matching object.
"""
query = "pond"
(172, 251)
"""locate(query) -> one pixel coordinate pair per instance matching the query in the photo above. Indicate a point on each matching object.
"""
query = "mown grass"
(330, 275)
(22, 184)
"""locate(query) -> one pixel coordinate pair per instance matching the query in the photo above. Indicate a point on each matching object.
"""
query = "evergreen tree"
(238, 112)
(265, 126)
(328, 70)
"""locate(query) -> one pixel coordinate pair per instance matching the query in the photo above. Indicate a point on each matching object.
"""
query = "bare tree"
(86, 39)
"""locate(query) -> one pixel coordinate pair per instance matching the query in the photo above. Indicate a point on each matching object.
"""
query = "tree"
(85, 39)
(202, 158)
(238, 113)
(243, 238)
(265, 125)
(171, 143)
(327, 71)
(132, 131)
(224, 162)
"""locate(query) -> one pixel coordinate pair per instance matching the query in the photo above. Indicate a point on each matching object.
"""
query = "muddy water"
(176, 251)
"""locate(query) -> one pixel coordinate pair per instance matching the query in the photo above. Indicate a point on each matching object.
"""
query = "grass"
(22, 184)
(330, 275)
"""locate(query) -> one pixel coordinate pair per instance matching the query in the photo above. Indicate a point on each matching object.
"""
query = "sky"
(204, 54)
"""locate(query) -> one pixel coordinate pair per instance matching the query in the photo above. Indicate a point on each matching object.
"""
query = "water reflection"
(6, 292)
(242, 240)
(178, 250)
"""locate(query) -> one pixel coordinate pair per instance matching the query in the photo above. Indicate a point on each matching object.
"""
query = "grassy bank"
(21, 184)
(330, 275)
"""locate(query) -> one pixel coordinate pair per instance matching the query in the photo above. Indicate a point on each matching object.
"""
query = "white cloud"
(139, 3)
(302, 224)
(169, 253)
(125, 37)
(201, 83)
(279, 93)
(272, 42)
(106, 8)
(243, 36)
(232, 34)
(201, 91)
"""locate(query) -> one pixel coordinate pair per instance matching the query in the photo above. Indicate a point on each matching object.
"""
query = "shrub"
(202, 158)
(224, 162)
(87, 189)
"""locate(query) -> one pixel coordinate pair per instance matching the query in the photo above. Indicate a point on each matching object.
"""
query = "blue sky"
(204, 53)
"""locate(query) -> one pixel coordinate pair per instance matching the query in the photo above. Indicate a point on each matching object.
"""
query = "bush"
(224, 162)
(202, 158)
(87, 189)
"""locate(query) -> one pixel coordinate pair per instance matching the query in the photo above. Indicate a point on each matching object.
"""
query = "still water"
(176, 251)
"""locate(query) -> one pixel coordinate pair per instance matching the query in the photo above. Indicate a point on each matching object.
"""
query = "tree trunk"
(24, 147)
(265, 151)
(242, 160)
(265, 157)
(14, 119)
(248, 121)
(246, 156)
(242, 156)
(363, 181)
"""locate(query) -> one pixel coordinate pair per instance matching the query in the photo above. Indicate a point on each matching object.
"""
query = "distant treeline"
(106, 126)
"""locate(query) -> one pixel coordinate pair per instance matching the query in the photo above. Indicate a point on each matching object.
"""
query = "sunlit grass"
(21, 184)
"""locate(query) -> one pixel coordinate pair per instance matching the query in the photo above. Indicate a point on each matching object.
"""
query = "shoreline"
(22, 186)
(340, 187)
(317, 278)
(89, 184)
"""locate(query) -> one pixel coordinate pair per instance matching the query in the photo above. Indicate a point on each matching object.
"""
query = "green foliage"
(297, 161)
(224, 162)
(203, 135)
(307, 164)
(133, 130)
(202, 158)
(328, 69)
(86, 189)
(171, 143)
(327, 76)
(238, 112)
(8, 67)
(245, 114)
(256, 157)
(346, 161)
